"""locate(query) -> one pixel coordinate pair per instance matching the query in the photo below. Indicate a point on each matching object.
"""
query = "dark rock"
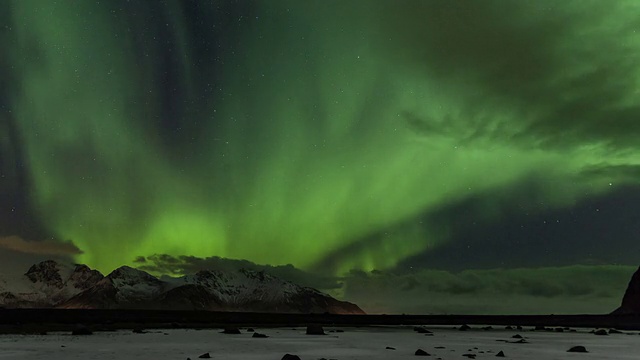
(390, 348)
(517, 336)
(204, 356)
(421, 352)
(508, 328)
(631, 299)
(421, 330)
(521, 341)
(138, 331)
(470, 356)
(258, 335)
(290, 357)
(540, 328)
(81, 330)
(500, 354)
(518, 327)
(464, 327)
(339, 330)
(231, 330)
(486, 328)
(601, 332)
(579, 349)
(559, 329)
(614, 331)
(315, 330)
(440, 347)
(250, 330)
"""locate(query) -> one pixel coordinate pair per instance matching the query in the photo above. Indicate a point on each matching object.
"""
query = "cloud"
(46, 247)
(181, 265)
(530, 63)
(570, 289)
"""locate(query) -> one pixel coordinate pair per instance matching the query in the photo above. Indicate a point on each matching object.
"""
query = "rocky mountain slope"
(50, 284)
(631, 299)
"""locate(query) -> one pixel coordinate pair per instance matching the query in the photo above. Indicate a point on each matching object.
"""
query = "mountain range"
(50, 284)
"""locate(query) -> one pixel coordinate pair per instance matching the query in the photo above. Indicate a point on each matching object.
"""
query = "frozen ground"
(353, 343)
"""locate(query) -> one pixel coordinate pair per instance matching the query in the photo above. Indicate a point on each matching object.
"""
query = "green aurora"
(307, 127)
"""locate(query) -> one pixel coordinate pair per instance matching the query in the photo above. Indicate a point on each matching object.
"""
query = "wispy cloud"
(44, 247)
(182, 265)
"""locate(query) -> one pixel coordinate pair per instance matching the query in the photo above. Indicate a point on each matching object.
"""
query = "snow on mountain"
(46, 284)
(50, 284)
(123, 287)
(250, 290)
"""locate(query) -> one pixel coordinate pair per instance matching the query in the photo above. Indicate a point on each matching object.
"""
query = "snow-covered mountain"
(250, 291)
(50, 284)
(46, 284)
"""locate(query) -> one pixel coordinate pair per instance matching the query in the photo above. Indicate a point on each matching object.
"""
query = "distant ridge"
(631, 299)
(53, 285)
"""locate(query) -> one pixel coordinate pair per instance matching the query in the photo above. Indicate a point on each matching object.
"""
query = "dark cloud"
(46, 247)
(570, 290)
(182, 265)
(531, 60)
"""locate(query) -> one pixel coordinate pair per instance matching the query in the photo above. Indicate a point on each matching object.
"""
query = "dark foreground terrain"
(42, 320)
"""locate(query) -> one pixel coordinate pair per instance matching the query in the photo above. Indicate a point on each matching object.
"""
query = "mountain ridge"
(53, 285)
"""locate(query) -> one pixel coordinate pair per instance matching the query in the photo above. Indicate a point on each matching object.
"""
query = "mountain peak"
(51, 284)
(128, 276)
(49, 272)
(631, 300)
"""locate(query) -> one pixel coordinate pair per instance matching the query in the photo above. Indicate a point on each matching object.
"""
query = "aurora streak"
(299, 131)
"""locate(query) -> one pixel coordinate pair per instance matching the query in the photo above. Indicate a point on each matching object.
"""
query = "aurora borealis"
(330, 135)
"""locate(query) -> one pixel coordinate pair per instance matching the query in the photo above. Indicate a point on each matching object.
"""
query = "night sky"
(433, 156)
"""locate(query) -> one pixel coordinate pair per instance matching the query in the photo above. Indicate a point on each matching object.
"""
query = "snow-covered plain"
(354, 343)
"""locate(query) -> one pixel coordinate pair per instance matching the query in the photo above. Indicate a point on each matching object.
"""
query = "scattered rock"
(258, 335)
(290, 357)
(421, 330)
(204, 356)
(601, 332)
(421, 352)
(81, 330)
(315, 330)
(500, 354)
(540, 328)
(464, 327)
(231, 330)
(390, 348)
(579, 349)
